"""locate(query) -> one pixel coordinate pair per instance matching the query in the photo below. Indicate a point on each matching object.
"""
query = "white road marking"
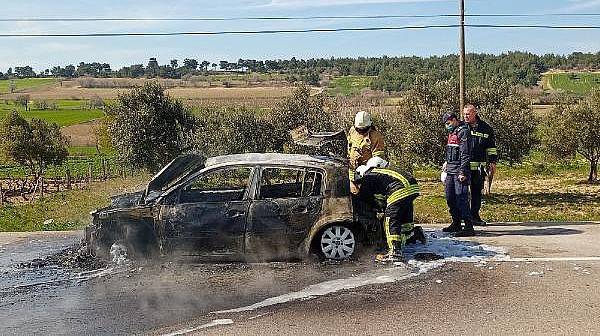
(213, 323)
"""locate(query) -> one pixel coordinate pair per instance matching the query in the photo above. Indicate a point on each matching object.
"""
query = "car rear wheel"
(337, 242)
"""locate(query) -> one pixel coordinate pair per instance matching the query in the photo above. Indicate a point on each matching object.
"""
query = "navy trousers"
(457, 198)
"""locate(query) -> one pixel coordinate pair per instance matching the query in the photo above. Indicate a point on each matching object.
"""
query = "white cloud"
(325, 3)
(578, 5)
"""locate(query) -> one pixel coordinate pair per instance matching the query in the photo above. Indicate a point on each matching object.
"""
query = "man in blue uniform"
(457, 167)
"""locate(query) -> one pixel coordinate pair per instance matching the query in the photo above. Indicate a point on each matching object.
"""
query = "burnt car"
(243, 206)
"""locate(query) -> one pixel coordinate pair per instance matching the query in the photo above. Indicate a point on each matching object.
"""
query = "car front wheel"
(337, 242)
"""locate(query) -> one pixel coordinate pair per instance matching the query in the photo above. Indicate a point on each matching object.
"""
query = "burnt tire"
(337, 242)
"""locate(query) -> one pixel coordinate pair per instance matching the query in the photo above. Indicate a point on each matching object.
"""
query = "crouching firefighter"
(375, 180)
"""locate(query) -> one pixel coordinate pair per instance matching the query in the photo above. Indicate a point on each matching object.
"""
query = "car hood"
(174, 172)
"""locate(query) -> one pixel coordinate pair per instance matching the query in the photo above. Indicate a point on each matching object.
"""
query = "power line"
(287, 18)
(290, 31)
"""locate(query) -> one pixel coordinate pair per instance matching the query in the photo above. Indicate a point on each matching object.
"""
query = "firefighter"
(399, 191)
(364, 142)
(457, 168)
(484, 156)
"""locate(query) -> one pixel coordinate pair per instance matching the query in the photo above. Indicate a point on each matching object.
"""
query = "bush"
(34, 144)
(148, 128)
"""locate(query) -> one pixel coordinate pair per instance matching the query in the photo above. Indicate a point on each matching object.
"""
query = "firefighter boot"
(454, 227)
(468, 230)
(419, 235)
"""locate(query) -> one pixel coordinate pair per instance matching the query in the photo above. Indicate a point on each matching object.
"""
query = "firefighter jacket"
(483, 145)
(389, 184)
(458, 150)
(363, 147)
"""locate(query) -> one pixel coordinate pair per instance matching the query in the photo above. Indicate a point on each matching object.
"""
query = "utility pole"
(462, 55)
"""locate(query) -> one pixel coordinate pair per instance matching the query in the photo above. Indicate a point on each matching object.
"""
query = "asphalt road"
(550, 286)
(554, 292)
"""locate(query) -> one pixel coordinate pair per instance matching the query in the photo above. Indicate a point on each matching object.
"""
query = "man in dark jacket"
(457, 167)
(484, 156)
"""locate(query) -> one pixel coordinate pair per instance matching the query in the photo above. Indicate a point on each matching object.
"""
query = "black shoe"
(479, 223)
(419, 235)
(466, 232)
(452, 228)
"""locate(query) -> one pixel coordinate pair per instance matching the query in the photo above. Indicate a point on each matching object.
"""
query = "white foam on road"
(213, 323)
(548, 259)
(451, 249)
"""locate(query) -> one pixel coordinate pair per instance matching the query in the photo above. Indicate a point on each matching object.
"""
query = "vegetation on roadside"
(534, 191)
(66, 210)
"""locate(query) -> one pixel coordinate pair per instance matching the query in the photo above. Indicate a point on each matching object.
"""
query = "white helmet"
(377, 162)
(362, 119)
(362, 170)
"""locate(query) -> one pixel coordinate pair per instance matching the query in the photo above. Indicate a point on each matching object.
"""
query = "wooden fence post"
(103, 169)
(89, 172)
(68, 177)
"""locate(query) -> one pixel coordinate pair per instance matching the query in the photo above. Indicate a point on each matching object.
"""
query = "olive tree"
(34, 144)
(230, 130)
(575, 128)
(148, 128)
(301, 108)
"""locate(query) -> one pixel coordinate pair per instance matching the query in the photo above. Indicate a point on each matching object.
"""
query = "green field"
(67, 112)
(575, 82)
(349, 85)
(25, 83)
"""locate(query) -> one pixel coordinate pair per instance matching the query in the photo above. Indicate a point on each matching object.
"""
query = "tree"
(230, 130)
(174, 63)
(299, 109)
(23, 100)
(35, 144)
(575, 128)
(148, 128)
(190, 63)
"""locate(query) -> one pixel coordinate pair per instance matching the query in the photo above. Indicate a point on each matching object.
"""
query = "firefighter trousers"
(399, 224)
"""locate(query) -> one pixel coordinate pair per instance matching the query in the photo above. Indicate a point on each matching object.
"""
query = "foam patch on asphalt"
(213, 323)
(451, 249)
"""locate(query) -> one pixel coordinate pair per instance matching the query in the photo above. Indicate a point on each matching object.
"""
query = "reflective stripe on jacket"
(391, 184)
(483, 144)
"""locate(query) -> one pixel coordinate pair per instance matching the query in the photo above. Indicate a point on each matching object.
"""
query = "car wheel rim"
(337, 242)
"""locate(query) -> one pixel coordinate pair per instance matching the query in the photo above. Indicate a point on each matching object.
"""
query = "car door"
(209, 214)
(287, 203)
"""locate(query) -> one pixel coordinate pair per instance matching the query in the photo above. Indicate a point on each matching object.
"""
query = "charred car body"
(244, 206)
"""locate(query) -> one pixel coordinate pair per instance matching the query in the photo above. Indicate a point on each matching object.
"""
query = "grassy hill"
(575, 82)
(24, 83)
(67, 112)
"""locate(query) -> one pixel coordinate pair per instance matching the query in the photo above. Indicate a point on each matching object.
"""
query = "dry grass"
(65, 92)
(81, 134)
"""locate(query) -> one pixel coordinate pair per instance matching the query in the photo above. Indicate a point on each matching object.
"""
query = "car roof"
(274, 158)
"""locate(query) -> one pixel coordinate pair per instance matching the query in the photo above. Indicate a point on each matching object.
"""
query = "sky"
(45, 52)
